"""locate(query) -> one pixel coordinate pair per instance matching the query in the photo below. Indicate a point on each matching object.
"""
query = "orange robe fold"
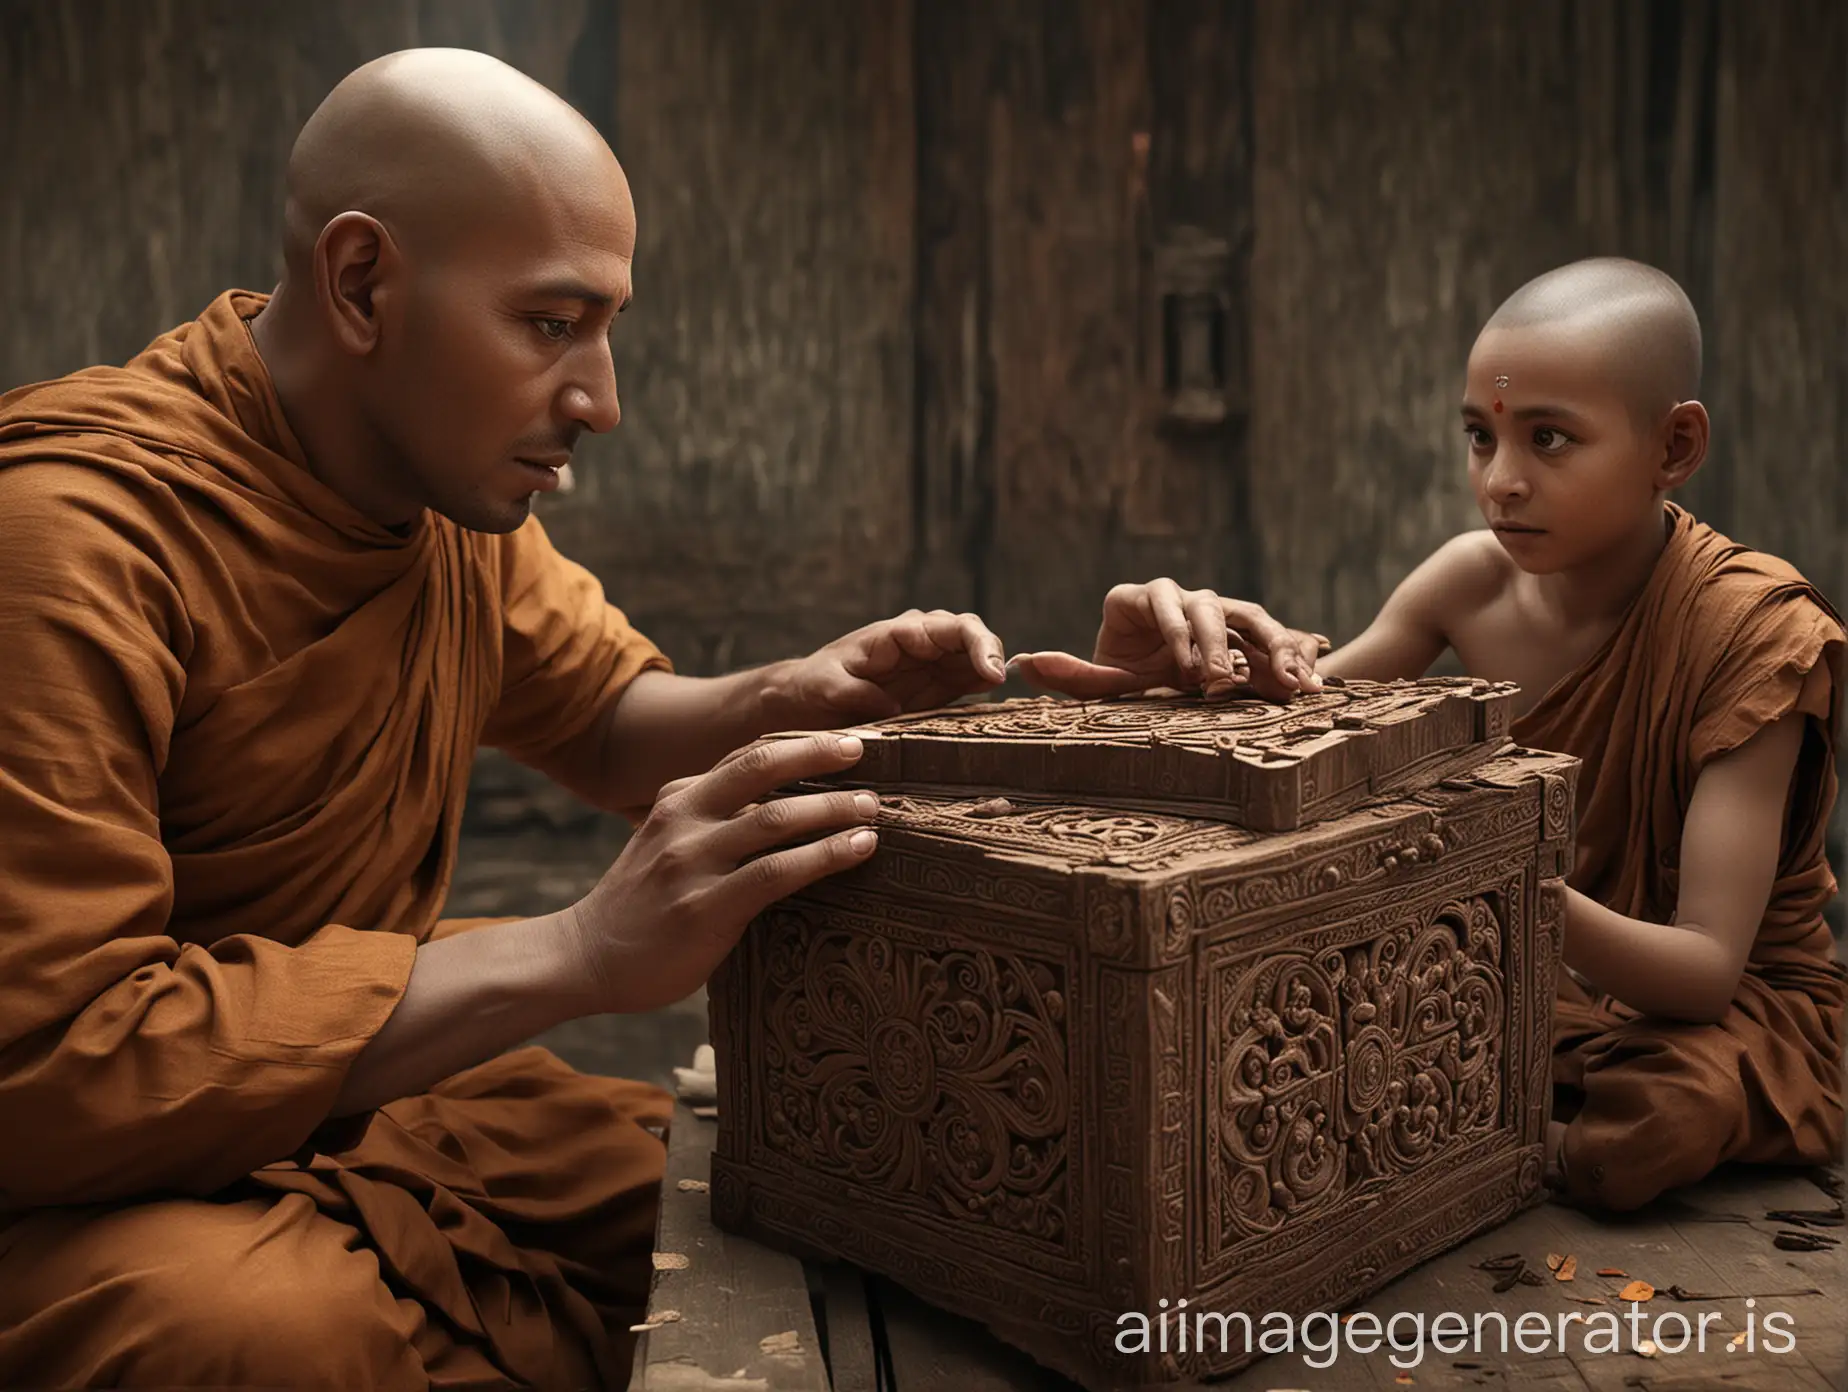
(1722, 642)
(235, 737)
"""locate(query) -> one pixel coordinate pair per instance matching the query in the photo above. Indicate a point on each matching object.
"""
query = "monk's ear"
(1684, 444)
(352, 259)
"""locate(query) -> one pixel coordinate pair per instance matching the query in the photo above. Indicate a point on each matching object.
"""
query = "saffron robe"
(1722, 642)
(236, 730)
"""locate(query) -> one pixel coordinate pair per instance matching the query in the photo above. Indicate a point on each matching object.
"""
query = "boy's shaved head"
(1580, 407)
(1642, 318)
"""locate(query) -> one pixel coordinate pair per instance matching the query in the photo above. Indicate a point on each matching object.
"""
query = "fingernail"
(862, 841)
(866, 805)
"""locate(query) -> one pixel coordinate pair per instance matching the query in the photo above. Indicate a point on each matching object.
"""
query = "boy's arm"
(1690, 970)
(1411, 630)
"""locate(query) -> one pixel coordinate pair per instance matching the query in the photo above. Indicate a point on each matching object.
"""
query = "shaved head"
(1580, 406)
(1643, 319)
(457, 243)
(430, 142)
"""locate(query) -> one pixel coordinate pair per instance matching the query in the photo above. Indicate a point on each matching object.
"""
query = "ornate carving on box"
(1265, 766)
(1049, 1061)
(936, 1076)
(1345, 1069)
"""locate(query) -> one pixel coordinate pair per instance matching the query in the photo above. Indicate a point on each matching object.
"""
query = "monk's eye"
(1550, 441)
(555, 329)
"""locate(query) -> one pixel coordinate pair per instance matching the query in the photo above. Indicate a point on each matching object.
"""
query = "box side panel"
(911, 1081)
(1374, 1051)
(1360, 1046)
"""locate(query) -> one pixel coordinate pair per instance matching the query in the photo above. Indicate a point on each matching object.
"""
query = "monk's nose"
(592, 401)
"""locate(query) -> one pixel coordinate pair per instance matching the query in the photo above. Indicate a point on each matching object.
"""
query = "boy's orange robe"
(1722, 642)
(236, 726)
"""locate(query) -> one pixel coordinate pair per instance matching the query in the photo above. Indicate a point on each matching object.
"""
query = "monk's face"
(1561, 463)
(501, 358)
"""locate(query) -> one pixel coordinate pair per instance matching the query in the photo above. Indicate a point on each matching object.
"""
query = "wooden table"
(749, 1319)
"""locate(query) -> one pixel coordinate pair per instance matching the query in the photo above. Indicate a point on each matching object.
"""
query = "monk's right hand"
(711, 856)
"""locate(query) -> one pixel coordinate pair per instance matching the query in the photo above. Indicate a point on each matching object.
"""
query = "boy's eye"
(1550, 441)
(554, 329)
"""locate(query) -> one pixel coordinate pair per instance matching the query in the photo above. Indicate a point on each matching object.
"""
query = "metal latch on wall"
(1192, 271)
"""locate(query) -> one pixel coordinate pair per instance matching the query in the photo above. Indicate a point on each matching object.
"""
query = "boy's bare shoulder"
(1464, 575)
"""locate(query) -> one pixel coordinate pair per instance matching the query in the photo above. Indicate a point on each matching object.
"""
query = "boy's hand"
(1161, 635)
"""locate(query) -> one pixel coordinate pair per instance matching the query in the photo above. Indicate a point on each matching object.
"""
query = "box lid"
(1255, 764)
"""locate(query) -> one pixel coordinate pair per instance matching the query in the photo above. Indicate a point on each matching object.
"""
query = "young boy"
(1700, 1020)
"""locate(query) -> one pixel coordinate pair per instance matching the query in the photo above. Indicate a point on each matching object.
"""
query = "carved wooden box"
(1086, 1034)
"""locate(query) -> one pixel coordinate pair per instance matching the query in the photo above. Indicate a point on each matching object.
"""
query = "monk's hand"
(1160, 635)
(712, 855)
(917, 661)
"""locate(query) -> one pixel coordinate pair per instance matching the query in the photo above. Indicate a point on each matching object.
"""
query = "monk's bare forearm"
(668, 726)
(470, 996)
(1672, 971)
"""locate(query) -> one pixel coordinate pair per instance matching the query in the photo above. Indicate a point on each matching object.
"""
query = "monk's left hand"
(917, 661)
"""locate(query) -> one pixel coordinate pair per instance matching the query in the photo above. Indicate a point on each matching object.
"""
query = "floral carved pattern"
(935, 1078)
(1357, 1064)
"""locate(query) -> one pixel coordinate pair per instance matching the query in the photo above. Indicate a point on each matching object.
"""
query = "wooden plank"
(1062, 147)
(853, 1361)
(1778, 340)
(954, 465)
(1450, 1285)
(744, 1323)
(144, 146)
(1370, 279)
(1652, 1246)
(1063, 207)
(1063, 115)
(755, 501)
(1745, 1258)
(1185, 506)
(931, 1351)
(1371, 276)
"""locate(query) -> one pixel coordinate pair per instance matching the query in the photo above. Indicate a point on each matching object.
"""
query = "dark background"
(990, 305)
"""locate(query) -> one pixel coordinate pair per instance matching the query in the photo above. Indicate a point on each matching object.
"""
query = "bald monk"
(265, 590)
(1700, 1020)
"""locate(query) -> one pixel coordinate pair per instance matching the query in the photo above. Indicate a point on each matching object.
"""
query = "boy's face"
(1562, 466)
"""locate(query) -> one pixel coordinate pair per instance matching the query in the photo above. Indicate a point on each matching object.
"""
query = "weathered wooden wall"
(1062, 147)
(756, 500)
(142, 145)
(897, 337)
(1778, 333)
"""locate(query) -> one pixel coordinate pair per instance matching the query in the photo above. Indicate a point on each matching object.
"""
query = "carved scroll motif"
(1209, 724)
(1122, 1120)
(1228, 897)
(1357, 1064)
(1170, 1053)
(935, 1079)
(979, 885)
(1071, 835)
